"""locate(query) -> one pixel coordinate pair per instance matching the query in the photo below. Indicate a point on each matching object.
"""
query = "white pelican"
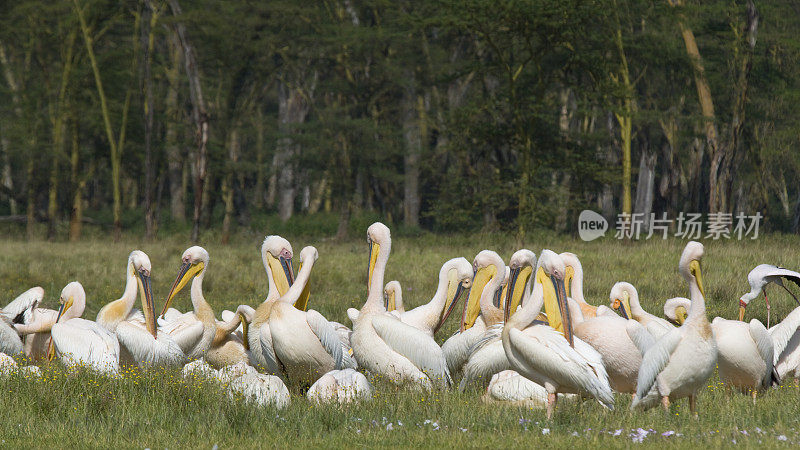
(454, 276)
(759, 278)
(276, 254)
(19, 311)
(625, 299)
(306, 345)
(231, 344)
(340, 386)
(510, 387)
(786, 341)
(680, 362)
(393, 297)
(36, 331)
(260, 389)
(193, 331)
(479, 311)
(136, 331)
(560, 362)
(676, 310)
(573, 281)
(383, 344)
(81, 342)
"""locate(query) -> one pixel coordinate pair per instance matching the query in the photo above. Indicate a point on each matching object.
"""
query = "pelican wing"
(274, 366)
(766, 349)
(488, 359)
(653, 362)
(641, 338)
(186, 330)
(146, 350)
(83, 342)
(604, 310)
(20, 310)
(782, 333)
(658, 329)
(415, 345)
(330, 340)
(580, 368)
(10, 342)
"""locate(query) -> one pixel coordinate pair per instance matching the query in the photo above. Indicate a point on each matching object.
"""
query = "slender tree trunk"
(199, 116)
(645, 185)
(175, 160)
(293, 107)
(148, 22)
(412, 136)
(78, 182)
(227, 184)
(31, 198)
(258, 191)
(7, 179)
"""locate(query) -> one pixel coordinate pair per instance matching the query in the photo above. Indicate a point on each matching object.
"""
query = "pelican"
(786, 342)
(393, 297)
(480, 312)
(454, 276)
(231, 344)
(306, 345)
(680, 362)
(383, 344)
(193, 331)
(260, 389)
(19, 311)
(573, 281)
(35, 331)
(81, 342)
(340, 386)
(676, 310)
(760, 277)
(625, 299)
(139, 340)
(276, 254)
(562, 363)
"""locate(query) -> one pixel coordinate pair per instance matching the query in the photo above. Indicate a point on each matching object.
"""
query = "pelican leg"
(693, 405)
(551, 404)
(768, 307)
(753, 394)
(665, 402)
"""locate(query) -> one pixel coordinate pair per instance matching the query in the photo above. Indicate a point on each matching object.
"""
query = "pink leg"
(768, 307)
(551, 405)
(665, 402)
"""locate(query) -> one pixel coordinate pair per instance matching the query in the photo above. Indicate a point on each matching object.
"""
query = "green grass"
(157, 409)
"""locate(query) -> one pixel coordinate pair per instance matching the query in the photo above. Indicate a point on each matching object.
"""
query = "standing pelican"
(306, 345)
(136, 331)
(680, 362)
(81, 342)
(393, 297)
(759, 278)
(19, 311)
(625, 299)
(276, 254)
(558, 361)
(383, 344)
(454, 276)
(192, 331)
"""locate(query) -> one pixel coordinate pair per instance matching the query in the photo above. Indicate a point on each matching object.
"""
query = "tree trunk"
(175, 160)
(148, 21)
(645, 186)
(293, 107)
(78, 185)
(7, 179)
(412, 110)
(199, 116)
(258, 191)
(31, 199)
(227, 184)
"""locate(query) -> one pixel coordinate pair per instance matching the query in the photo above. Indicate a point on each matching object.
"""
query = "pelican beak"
(148, 307)
(694, 267)
(561, 295)
(473, 307)
(681, 314)
(282, 274)
(742, 308)
(302, 301)
(518, 279)
(454, 291)
(512, 278)
(388, 301)
(51, 349)
(551, 306)
(499, 295)
(568, 276)
(245, 326)
(185, 273)
(374, 250)
(623, 305)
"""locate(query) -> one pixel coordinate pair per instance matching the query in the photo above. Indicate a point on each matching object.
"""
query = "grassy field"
(157, 409)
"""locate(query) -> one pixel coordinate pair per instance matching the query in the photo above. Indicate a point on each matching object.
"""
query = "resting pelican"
(383, 344)
(676, 310)
(139, 340)
(393, 297)
(276, 254)
(454, 276)
(625, 299)
(340, 386)
(680, 362)
(35, 331)
(759, 278)
(306, 345)
(81, 342)
(479, 311)
(19, 311)
(260, 389)
(193, 331)
(560, 362)
(231, 345)
(573, 281)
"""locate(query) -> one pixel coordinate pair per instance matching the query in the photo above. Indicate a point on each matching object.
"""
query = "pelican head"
(550, 274)
(73, 302)
(620, 298)
(139, 264)
(690, 266)
(677, 309)
(378, 236)
(458, 273)
(393, 296)
(276, 253)
(485, 267)
(573, 267)
(520, 267)
(193, 262)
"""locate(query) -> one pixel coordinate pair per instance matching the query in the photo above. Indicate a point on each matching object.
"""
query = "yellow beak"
(454, 291)
(282, 274)
(374, 250)
(302, 301)
(568, 276)
(185, 273)
(694, 267)
(681, 314)
(555, 304)
(517, 280)
(389, 301)
(473, 306)
(148, 307)
(245, 330)
(741, 311)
